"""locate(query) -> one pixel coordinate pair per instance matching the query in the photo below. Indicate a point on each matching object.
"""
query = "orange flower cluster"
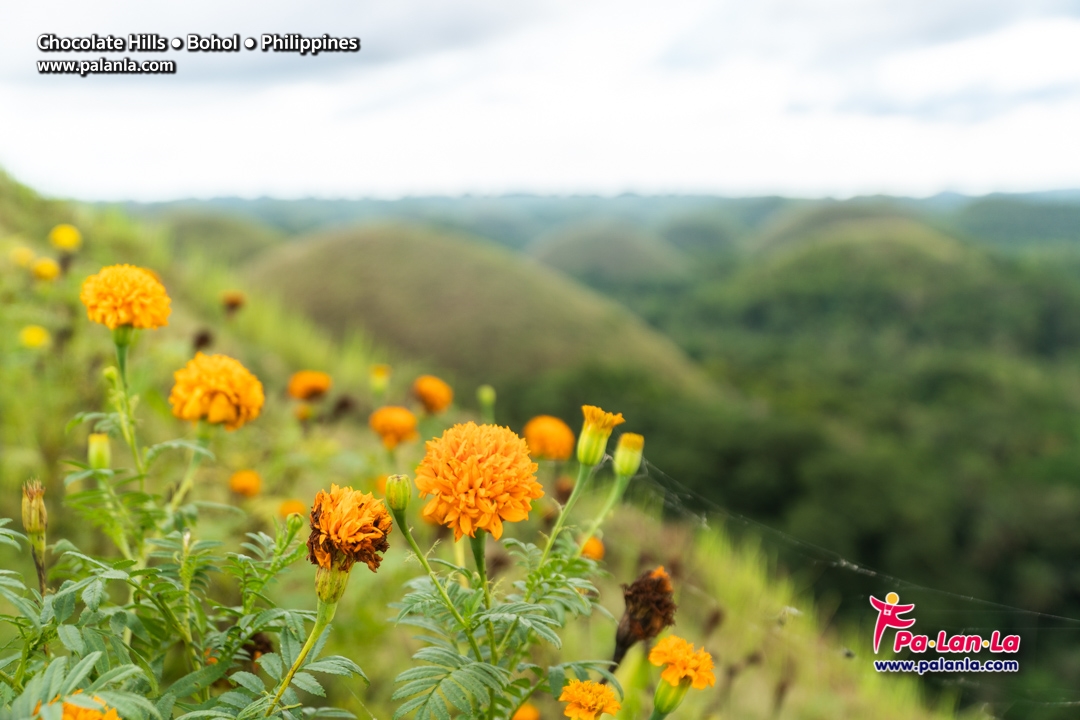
(71, 711)
(347, 526)
(597, 419)
(121, 295)
(309, 384)
(549, 438)
(246, 482)
(683, 662)
(480, 476)
(593, 549)
(528, 711)
(218, 389)
(288, 507)
(394, 425)
(434, 394)
(588, 700)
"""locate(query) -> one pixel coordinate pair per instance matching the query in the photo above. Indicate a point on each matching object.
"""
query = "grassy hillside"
(772, 662)
(476, 309)
(611, 255)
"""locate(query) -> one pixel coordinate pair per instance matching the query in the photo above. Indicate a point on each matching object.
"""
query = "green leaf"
(71, 638)
(248, 680)
(308, 683)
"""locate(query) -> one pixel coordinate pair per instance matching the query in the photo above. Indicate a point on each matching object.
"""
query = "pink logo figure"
(888, 616)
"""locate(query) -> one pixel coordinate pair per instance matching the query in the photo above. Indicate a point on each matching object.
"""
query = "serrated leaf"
(308, 683)
(248, 680)
(71, 638)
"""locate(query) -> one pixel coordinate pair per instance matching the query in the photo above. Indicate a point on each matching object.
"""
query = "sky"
(795, 97)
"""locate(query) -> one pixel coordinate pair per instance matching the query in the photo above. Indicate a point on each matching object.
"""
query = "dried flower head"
(218, 389)
(45, 269)
(394, 425)
(434, 394)
(309, 385)
(232, 300)
(288, 507)
(480, 476)
(202, 340)
(347, 526)
(121, 295)
(593, 549)
(549, 438)
(683, 663)
(65, 237)
(650, 608)
(34, 337)
(588, 700)
(245, 482)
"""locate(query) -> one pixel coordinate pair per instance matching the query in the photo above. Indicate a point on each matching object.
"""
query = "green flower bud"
(34, 515)
(99, 451)
(628, 454)
(330, 584)
(294, 523)
(592, 442)
(398, 492)
(668, 697)
(485, 395)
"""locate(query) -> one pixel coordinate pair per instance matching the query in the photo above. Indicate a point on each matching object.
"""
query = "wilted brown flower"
(649, 609)
(202, 340)
(347, 526)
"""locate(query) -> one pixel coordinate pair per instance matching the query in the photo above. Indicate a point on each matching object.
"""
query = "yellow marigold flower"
(232, 300)
(288, 507)
(549, 438)
(683, 662)
(309, 384)
(217, 389)
(45, 269)
(588, 700)
(34, 336)
(528, 711)
(72, 711)
(628, 454)
(434, 394)
(480, 476)
(65, 237)
(245, 482)
(22, 256)
(126, 295)
(347, 526)
(594, 435)
(593, 549)
(394, 425)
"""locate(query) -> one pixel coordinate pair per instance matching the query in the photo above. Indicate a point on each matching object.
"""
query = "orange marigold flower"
(588, 700)
(245, 482)
(347, 526)
(549, 438)
(218, 389)
(71, 711)
(65, 237)
(394, 425)
(434, 394)
(593, 549)
(126, 295)
(309, 384)
(683, 661)
(288, 507)
(45, 269)
(596, 418)
(528, 711)
(480, 476)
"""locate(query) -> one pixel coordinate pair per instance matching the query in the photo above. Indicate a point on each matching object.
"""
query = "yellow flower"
(347, 526)
(45, 269)
(379, 378)
(65, 237)
(593, 549)
(245, 482)
(288, 507)
(549, 438)
(309, 384)
(34, 336)
(434, 394)
(72, 711)
(683, 662)
(126, 295)
(394, 425)
(217, 389)
(527, 711)
(595, 433)
(627, 459)
(588, 700)
(480, 476)
(22, 256)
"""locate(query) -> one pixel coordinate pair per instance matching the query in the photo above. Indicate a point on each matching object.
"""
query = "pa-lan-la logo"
(889, 616)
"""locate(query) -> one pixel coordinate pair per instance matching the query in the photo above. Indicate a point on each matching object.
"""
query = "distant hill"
(611, 254)
(226, 238)
(467, 305)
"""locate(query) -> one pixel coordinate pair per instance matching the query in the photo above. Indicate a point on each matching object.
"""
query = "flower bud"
(592, 442)
(379, 379)
(294, 522)
(628, 454)
(99, 451)
(330, 584)
(398, 492)
(34, 515)
(668, 697)
(485, 395)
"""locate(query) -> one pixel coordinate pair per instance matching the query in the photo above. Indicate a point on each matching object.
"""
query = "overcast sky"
(811, 97)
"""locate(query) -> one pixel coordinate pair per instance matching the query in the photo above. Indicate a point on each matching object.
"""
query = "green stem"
(322, 619)
(657, 715)
(188, 481)
(479, 542)
(122, 339)
(10, 681)
(616, 494)
(399, 518)
(584, 471)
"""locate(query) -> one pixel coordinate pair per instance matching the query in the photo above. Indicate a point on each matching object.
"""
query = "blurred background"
(824, 255)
